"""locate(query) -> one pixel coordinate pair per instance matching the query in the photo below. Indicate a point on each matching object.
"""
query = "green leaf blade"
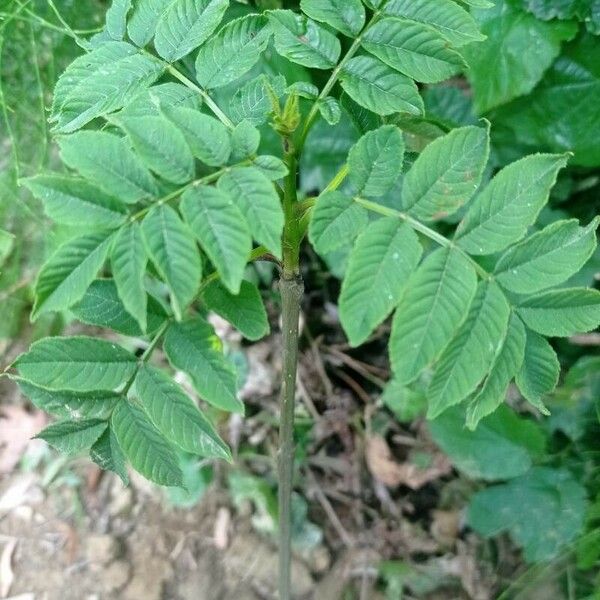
(414, 49)
(378, 88)
(76, 202)
(191, 346)
(208, 139)
(469, 356)
(144, 447)
(71, 437)
(452, 21)
(446, 174)
(560, 313)
(101, 82)
(128, 260)
(547, 258)
(185, 25)
(220, 227)
(335, 220)
(108, 455)
(106, 160)
(383, 258)
(161, 146)
(245, 311)
(173, 251)
(64, 278)
(375, 161)
(539, 371)
(176, 416)
(433, 307)
(78, 363)
(505, 367)
(347, 16)
(259, 202)
(233, 51)
(502, 212)
(304, 42)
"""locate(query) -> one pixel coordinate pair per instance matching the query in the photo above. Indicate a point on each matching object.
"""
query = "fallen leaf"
(7, 575)
(23, 490)
(17, 427)
(445, 526)
(384, 467)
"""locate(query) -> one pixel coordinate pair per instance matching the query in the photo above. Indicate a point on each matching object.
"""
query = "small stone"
(102, 549)
(319, 560)
(121, 501)
(117, 575)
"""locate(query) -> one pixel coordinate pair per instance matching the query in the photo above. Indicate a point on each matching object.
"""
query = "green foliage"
(503, 446)
(511, 33)
(542, 510)
(198, 148)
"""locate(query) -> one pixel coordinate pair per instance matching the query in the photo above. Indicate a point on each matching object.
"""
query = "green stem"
(207, 99)
(291, 290)
(418, 226)
(332, 80)
(291, 241)
(179, 191)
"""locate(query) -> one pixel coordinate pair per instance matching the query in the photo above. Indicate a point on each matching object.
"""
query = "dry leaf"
(17, 427)
(23, 490)
(445, 526)
(7, 575)
(386, 469)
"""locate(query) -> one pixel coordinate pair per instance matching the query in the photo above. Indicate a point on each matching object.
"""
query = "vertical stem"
(291, 293)
(291, 289)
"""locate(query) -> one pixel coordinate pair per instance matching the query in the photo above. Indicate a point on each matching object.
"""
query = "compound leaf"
(173, 251)
(511, 202)
(221, 229)
(78, 363)
(176, 416)
(375, 161)
(383, 258)
(378, 88)
(144, 446)
(433, 306)
(193, 347)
